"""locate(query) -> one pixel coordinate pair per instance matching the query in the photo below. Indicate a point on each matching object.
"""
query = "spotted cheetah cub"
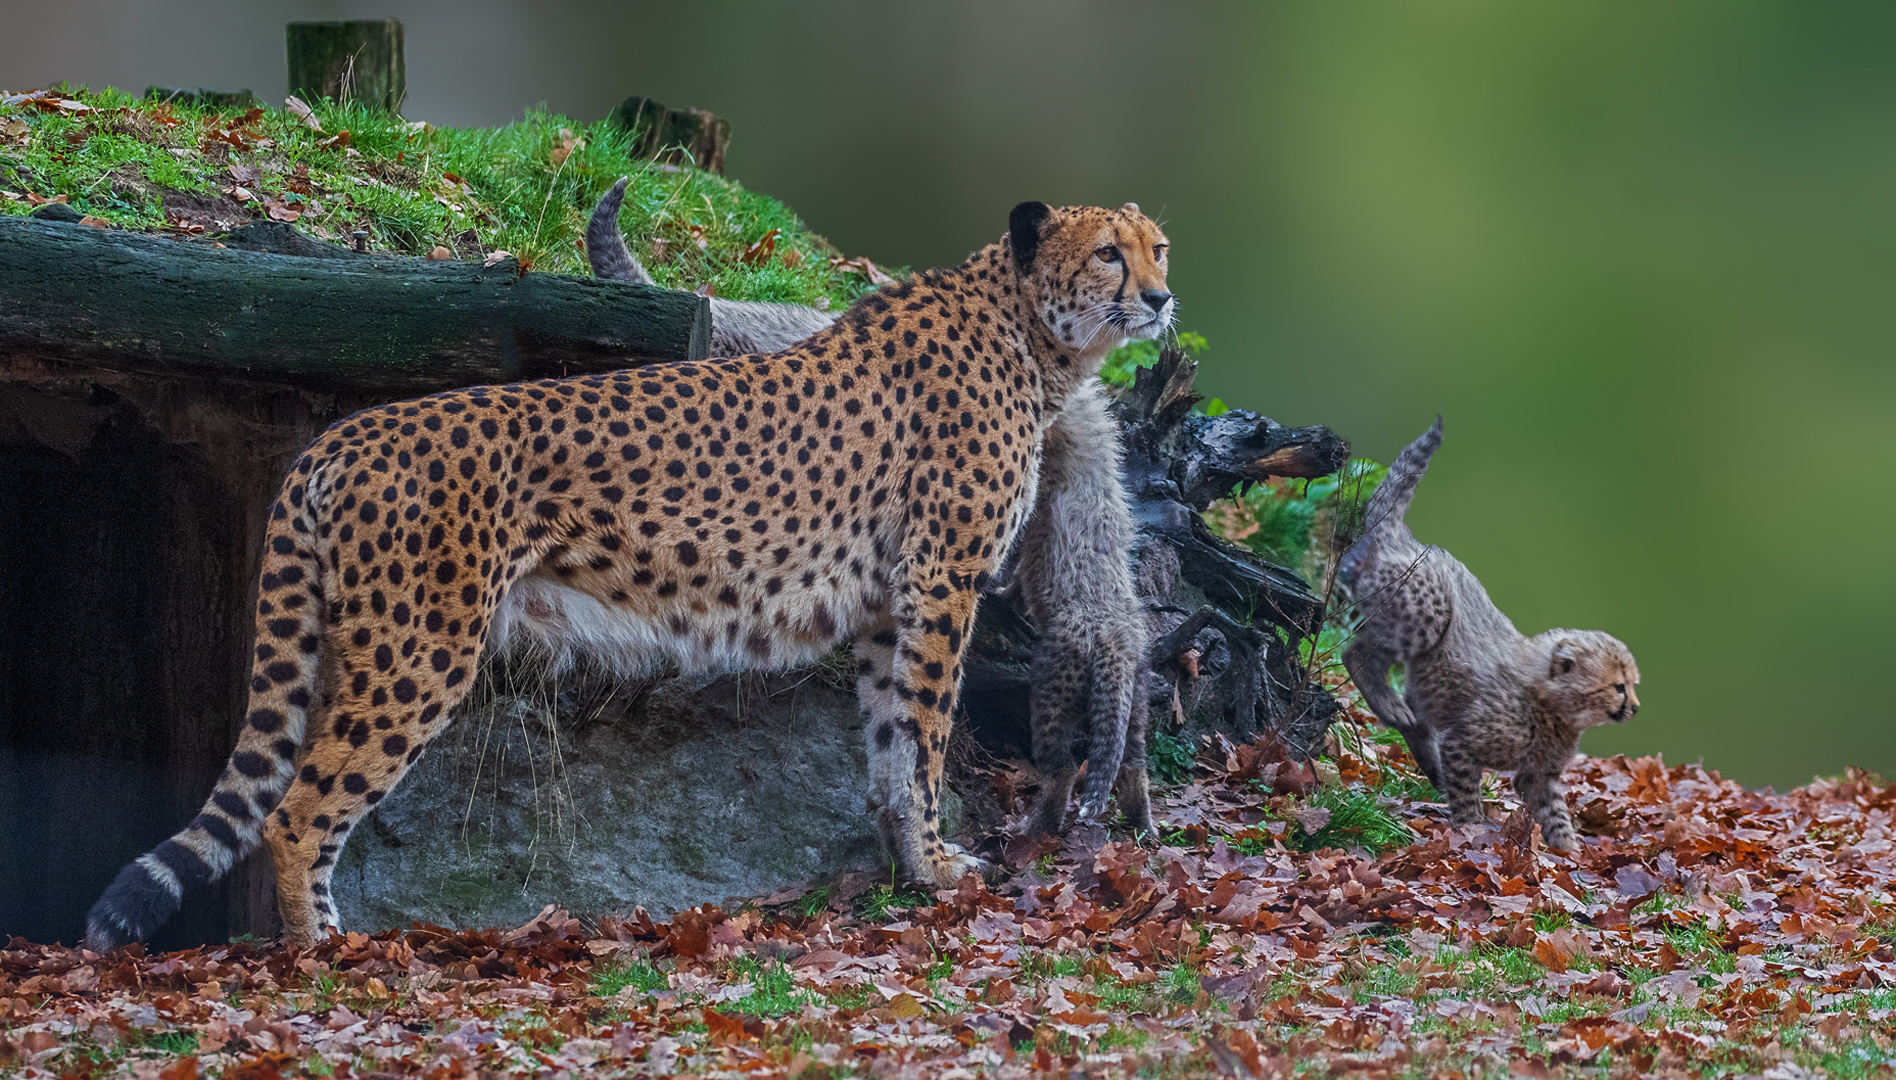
(748, 512)
(1478, 693)
(1089, 664)
(1088, 674)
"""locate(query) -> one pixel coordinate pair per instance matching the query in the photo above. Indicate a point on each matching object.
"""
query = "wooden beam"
(375, 323)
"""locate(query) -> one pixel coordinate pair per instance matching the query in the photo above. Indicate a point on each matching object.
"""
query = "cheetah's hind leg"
(1059, 692)
(1134, 787)
(392, 700)
(1115, 676)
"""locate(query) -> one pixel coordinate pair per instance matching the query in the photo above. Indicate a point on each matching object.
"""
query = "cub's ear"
(1563, 658)
(1132, 206)
(1024, 223)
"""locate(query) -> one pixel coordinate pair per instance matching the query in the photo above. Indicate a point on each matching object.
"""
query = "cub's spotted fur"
(1088, 677)
(1478, 693)
(741, 512)
(1071, 567)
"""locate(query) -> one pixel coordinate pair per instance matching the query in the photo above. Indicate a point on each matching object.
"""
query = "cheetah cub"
(1089, 664)
(1088, 691)
(1478, 693)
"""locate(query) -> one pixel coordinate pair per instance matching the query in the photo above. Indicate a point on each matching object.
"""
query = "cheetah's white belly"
(559, 625)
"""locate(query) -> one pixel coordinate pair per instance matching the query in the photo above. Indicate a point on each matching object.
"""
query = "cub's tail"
(1391, 500)
(283, 686)
(605, 245)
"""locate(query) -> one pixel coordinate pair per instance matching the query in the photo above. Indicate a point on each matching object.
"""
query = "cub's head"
(1591, 678)
(1095, 277)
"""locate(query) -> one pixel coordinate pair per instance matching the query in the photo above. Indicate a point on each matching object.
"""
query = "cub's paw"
(954, 863)
(1562, 840)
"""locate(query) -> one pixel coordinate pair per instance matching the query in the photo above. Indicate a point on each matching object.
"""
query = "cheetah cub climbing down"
(1088, 702)
(1478, 693)
(746, 512)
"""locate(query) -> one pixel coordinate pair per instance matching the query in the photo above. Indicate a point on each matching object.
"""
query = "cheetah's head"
(1096, 277)
(1591, 677)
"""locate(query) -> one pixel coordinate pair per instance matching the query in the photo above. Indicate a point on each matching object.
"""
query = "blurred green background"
(1642, 257)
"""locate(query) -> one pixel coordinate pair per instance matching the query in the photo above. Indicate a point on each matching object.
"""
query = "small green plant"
(1180, 837)
(1169, 759)
(1253, 844)
(637, 974)
(855, 996)
(1123, 363)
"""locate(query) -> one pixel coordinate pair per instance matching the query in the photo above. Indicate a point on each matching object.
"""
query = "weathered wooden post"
(675, 136)
(358, 60)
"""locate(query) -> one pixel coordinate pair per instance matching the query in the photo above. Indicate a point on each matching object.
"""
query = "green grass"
(1658, 904)
(526, 188)
(166, 1043)
(1548, 921)
(1697, 943)
(1036, 966)
(1182, 984)
(813, 903)
(1359, 817)
(632, 973)
(774, 991)
(885, 901)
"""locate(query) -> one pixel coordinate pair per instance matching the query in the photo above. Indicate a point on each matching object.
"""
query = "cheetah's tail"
(283, 687)
(1392, 497)
(605, 245)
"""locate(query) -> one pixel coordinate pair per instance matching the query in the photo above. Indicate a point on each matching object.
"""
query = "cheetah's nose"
(1155, 299)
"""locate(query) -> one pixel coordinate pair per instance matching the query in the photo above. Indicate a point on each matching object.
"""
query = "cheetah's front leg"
(911, 717)
(1546, 797)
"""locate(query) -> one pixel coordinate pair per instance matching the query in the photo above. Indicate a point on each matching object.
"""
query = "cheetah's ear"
(1563, 658)
(1024, 223)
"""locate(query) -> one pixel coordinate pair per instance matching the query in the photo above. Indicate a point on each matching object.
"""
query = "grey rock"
(677, 792)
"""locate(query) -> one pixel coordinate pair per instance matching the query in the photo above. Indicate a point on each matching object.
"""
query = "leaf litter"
(1703, 929)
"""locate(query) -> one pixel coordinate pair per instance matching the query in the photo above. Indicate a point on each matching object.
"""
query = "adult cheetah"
(747, 512)
(1088, 700)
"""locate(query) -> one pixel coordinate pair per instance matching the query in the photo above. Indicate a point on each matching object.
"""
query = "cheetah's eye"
(1620, 686)
(1158, 252)
(1108, 254)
